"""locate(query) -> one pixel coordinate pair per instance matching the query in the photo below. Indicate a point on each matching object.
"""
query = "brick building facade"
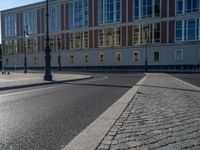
(105, 34)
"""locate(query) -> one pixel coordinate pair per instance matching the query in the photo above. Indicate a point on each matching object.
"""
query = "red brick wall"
(62, 41)
(39, 44)
(38, 20)
(62, 17)
(171, 31)
(20, 23)
(96, 13)
(163, 32)
(130, 10)
(171, 8)
(42, 20)
(43, 43)
(67, 41)
(124, 36)
(96, 38)
(18, 46)
(123, 11)
(66, 17)
(2, 27)
(164, 8)
(130, 32)
(90, 39)
(90, 13)
(22, 44)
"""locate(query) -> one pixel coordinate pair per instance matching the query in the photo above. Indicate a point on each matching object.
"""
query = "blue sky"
(7, 4)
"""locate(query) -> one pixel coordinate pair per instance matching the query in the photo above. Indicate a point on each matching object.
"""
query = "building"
(105, 34)
(0, 58)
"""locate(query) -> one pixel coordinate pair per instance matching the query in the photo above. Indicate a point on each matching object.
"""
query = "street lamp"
(47, 75)
(59, 56)
(26, 36)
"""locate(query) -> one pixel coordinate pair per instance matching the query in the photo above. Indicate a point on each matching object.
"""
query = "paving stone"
(164, 114)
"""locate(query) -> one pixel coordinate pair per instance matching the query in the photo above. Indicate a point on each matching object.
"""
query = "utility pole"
(26, 36)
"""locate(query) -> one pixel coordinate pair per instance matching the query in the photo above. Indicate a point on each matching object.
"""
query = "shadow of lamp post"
(47, 70)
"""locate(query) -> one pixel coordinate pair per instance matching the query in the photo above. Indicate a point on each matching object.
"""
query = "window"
(146, 33)
(54, 18)
(157, 33)
(157, 8)
(179, 55)
(86, 58)
(78, 40)
(78, 14)
(179, 28)
(136, 34)
(71, 59)
(191, 29)
(30, 21)
(10, 26)
(146, 8)
(101, 57)
(109, 11)
(71, 41)
(86, 45)
(100, 42)
(108, 37)
(118, 57)
(136, 56)
(156, 56)
(191, 5)
(118, 37)
(179, 6)
(136, 9)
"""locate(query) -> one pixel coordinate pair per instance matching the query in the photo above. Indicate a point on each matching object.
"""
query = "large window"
(78, 13)
(10, 26)
(55, 42)
(110, 37)
(79, 40)
(187, 30)
(54, 18)
(157, 33)
(179, 6)
(179, 30)
(29, 21)
(136, 34)
(11, 46)
(146, 8)
(187, 6)
(109, 11)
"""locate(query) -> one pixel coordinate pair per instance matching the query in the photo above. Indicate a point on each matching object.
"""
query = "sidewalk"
(164, 114)
(17, 80)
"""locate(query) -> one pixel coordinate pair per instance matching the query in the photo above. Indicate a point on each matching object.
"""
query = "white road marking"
(29, 91)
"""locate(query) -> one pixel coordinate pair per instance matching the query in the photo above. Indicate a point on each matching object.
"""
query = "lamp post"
(25, 48)
(146, 46)
(47, 73)
(59, 60)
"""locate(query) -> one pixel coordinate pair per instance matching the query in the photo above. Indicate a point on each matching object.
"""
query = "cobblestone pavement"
(163, 115)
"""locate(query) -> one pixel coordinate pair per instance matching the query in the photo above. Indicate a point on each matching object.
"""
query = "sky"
(7, 4)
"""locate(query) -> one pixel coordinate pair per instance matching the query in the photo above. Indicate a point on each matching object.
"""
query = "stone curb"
(44, 83)
(91, 137)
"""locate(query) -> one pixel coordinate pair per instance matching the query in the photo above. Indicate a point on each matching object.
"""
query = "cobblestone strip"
(163, 115)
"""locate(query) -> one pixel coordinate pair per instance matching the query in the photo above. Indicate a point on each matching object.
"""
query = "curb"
(91, 137)
(40, 84)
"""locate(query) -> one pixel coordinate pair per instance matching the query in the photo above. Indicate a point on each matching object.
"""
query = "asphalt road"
(193, 78)
(48, 117)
